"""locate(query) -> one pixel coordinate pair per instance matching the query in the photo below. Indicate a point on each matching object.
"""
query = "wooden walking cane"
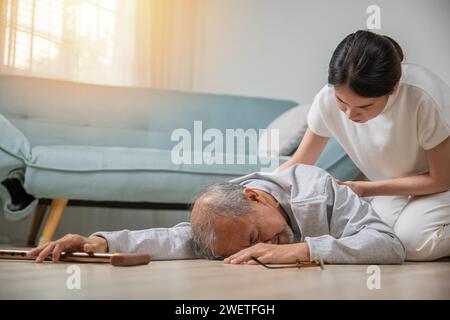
(116, 259)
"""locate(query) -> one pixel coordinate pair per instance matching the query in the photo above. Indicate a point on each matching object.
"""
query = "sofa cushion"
(14, 151)
(142, 175)
(291, 125)
(122, 174)
(14, 147)
(41, 132)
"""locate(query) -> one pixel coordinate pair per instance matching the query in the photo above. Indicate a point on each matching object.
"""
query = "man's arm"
(162, 243)
(357, 233)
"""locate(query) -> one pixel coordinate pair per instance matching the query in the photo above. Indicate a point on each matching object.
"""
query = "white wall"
(281, 48)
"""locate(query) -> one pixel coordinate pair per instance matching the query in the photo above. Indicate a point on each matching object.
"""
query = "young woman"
(393, 120)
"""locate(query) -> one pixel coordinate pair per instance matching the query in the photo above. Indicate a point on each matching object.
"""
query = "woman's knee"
(424, 227)
(424, 245)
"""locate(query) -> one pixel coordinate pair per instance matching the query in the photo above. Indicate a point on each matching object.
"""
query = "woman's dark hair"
(368, 63)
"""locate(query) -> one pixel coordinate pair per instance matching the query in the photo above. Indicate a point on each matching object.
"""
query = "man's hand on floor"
(271, 253)
(70, 242)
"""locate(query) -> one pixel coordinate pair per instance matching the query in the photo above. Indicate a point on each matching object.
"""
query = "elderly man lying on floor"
(299, 214)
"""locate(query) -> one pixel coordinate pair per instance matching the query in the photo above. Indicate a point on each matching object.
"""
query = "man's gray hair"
(224, 199)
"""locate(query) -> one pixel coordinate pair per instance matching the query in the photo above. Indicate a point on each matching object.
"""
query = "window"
(46, 36)
(114, 42)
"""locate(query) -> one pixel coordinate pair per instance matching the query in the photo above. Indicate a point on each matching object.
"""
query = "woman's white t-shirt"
(392, 145)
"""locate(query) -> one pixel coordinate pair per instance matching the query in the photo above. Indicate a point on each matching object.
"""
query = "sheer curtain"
(170, 54)
(120, 42)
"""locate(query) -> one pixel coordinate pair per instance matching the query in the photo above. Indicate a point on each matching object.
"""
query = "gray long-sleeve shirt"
(338, 226)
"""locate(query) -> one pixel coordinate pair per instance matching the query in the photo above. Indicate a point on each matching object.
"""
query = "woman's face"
(356, 108)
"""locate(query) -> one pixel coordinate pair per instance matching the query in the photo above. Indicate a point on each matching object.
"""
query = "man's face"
(265, 224)
(356, 108)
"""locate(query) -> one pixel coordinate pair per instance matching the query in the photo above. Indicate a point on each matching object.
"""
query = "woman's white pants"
(421, 222)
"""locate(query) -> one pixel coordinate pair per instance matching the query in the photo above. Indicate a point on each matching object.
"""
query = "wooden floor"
(200, 279)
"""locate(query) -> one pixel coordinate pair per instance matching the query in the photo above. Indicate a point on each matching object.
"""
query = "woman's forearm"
(291, 162)
(297, 158)
(307, 152)
(415, 185)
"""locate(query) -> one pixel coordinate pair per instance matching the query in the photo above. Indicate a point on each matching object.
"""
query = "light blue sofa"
(71, 141)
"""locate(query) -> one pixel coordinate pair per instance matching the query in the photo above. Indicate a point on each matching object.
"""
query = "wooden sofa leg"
(38, 217)
(56, 211)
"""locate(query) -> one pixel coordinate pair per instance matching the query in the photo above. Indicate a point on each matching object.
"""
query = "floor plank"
(200, 279)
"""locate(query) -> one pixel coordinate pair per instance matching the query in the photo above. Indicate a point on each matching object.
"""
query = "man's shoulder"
(310, 170)
(300, 174)
(306, 183)
(309, 179)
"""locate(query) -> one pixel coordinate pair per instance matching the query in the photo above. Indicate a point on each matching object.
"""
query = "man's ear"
(251, 194)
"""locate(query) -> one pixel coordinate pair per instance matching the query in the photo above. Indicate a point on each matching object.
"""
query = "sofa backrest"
(130, 107)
